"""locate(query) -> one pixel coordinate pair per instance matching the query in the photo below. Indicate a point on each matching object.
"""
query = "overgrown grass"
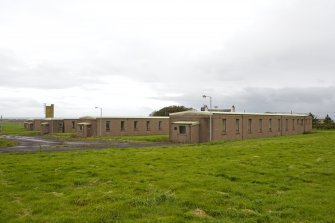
(74, 136)
(146, 138)
(15, 128)
(281, 179)
(6, 142)
(64, 136)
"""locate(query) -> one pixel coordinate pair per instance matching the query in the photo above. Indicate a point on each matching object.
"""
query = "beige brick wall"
(191, 133)
(70, 125)
(85, 130)
(133, 126)
(37, 124)
(241, 126)
(203, 127)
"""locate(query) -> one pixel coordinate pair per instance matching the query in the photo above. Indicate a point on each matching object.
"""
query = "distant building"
(194, 127)
(29, 124)
(49, 111)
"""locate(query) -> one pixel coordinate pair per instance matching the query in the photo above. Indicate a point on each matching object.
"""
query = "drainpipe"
(304, 124)
(210, 126)
(190, 127)
(242, 126)
(52, 126)
(281, 125)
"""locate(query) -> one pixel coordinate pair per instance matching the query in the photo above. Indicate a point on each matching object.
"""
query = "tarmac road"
(38, 144)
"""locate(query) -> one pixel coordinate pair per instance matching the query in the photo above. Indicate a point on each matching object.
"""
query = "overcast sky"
(131, 57)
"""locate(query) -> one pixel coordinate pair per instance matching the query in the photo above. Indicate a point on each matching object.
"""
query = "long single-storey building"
(122, 126)
(183, 127)
(204, 126)
(105, 126)
(29, 125)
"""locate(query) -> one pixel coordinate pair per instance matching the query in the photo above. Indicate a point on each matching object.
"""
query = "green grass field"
(73, 136)
(6, 143)
(281, 179)
(15, 128)
(12, 127)
(145, 138)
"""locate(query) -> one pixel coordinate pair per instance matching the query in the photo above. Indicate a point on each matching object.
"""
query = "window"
(224, 125)
(108, 128)
(286, 125)
(270, 125)
(73, 124)
(237, 125)
(182, 129)
(293, 127)
(160, 125)
(148, 125)
(135, 125)
(249, 125)
(260, 124)
(122, 126)
(60, 126)
(81, 128)
(279, 124)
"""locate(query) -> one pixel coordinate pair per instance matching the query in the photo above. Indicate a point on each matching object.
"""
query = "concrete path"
(38, 144)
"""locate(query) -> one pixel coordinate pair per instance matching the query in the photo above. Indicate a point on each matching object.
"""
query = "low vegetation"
(75, 137)
(281, 179)
(322, 124)
(6, 142)
(63, 137)
(147, 138)
(15, 128)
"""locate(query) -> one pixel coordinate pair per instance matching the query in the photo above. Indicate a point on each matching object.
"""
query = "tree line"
(326, 123)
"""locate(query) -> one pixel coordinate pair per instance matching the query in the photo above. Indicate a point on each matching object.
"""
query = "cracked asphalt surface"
(38, 144)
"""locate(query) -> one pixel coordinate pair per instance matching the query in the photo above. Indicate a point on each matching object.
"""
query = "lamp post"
(0, 124)
(210, 116)
(100, 124)
(210, 100)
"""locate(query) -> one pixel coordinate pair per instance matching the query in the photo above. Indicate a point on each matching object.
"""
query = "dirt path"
(38, 144)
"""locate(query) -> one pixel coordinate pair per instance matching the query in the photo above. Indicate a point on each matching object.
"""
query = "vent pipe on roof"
(204, 108)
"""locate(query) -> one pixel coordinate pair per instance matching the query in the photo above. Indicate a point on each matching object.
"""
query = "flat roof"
(84, 123)
(134, 117)
(186, 123)
(48, 119)
(236, 113)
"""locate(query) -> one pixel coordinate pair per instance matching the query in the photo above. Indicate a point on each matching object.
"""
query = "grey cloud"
(18, 106)
(288, 41)
(16, 74)
(318, 100)
(263, 57)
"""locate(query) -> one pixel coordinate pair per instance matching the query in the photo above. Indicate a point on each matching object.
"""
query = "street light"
(210, 100)
(100, 125)
(210, 116)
